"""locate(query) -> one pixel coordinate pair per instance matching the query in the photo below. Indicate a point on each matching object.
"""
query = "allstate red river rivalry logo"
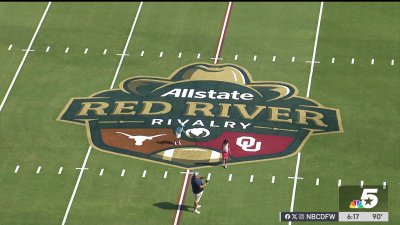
(261, 119)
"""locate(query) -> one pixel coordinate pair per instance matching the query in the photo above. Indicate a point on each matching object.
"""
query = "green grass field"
(365, 92)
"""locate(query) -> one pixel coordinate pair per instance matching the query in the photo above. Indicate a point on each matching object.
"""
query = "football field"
(344, 56)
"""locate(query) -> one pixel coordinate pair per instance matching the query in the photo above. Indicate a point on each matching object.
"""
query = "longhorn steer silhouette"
(139, 139)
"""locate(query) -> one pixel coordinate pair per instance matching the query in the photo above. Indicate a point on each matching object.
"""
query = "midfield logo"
(262, 120)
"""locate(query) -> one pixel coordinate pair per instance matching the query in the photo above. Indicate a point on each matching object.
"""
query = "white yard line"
(308, 95)
(25, 55)
(181, 197)
(126, 45)
(315, 50)
(112, 85)
(221, 38)
(76, 186)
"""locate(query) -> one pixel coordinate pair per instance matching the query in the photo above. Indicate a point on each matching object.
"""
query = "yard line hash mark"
(339, 183)
(24, 58)
(251, 178)
(122, 173)
(10, 47)
(105, 51)
(333, 60)
(198, 55)
(165, 174)
(372, 61)
(317, 182)
(230, 177)
(255, 58)
(362, 184)
(16, 169)
(48, 49)
(236, 57)
(101, 172)
(209, 176)
(161, 54)
(144, 173)
(90, 148)
(38, 170)
(66, 50)
(273, 179)
(273, 58)
(142, 53)
(180, 55)
(384, 185)
(293, 58)
(352, 60)
(392, 62)
(86, 50)
(60, 171)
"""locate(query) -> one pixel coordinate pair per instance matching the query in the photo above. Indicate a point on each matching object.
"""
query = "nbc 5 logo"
(369, 200)
(248, 144)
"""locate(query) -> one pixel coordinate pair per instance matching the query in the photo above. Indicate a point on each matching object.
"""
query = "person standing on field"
(197, 188)
(178, 135)
(225, 153)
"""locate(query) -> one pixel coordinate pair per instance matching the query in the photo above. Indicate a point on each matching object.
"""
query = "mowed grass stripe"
(263, 31)
(44, 87)
(366, 96)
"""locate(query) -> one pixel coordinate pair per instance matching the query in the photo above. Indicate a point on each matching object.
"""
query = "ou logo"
(248, 144)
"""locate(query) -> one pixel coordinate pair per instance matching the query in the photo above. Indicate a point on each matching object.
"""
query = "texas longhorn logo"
(261, 119)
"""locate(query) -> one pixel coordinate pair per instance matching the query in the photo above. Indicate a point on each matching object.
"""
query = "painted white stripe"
(101, 172)
(317, 182)
(208, 176)
(251, 178)
(76, 185)
(16, 169)
(315, 50)
(60, 171)
(180, 55)
(105, 51)
(293, 58)
(228, 11)
(372, 61)
(181, 197)
(392, 62)
(189, 172)
(339, 183)
(24, 58)
(295, 182)
(333, 60)
(198, 55)
(169, 153)
(144, 173)
(273, 180)
(230, 177)
(142, 53)
(255, 58)
(38, 169)
(123, 173)
(362, 184)
(126, 45)
(308, 95)
(165, 174)
(10, 47)
(161, 54)
(384, 185)
(215, 155)
(86, 50)
(274, 58)
(48, 49)
(236, 57)
(352, 60)
(66, 50)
